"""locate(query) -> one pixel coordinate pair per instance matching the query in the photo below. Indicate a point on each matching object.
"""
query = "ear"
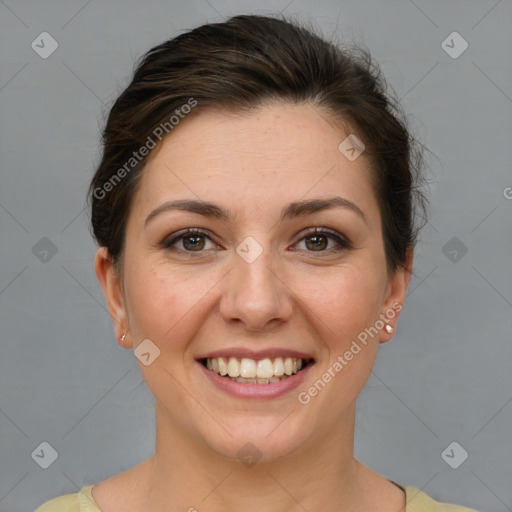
(112, 288)
(395, 296)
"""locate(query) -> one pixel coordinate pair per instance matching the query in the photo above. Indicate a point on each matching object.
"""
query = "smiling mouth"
(256, 371)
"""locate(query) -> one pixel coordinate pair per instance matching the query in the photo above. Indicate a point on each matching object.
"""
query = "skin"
(293, 295)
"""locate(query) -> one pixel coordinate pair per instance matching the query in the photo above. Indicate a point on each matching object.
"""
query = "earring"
(389, 329)
(123, 337)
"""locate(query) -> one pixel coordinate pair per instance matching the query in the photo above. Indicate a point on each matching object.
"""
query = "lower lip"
(256, 391)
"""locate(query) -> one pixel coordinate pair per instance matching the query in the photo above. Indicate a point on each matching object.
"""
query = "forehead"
(273, 154)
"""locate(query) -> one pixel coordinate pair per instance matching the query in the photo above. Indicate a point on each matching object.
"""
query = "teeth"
(248, 368)
(265, 369)
(257, 381)
(250, 371)
(278, 367)
(288, 366)
(245, 381)
(223, 367)
(233, 367)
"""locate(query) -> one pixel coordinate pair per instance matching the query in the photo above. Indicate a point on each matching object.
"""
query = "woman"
(255, 209)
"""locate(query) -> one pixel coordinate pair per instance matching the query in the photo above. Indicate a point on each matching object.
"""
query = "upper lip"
(270, 353)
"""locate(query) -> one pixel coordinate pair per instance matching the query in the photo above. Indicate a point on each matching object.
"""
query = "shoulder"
(418, 501)
(81, 501)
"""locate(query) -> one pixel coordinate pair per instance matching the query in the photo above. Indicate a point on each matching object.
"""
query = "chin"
(265, 438)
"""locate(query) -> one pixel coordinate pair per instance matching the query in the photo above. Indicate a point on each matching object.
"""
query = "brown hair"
(239, 65)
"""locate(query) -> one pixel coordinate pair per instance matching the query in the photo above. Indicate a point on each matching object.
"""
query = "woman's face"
(255, 283)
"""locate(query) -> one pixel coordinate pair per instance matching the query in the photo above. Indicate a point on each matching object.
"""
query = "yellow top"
(82, 501)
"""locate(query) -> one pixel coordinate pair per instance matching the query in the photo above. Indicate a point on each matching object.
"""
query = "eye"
(317, 240)
(191, 240)
(195, 240)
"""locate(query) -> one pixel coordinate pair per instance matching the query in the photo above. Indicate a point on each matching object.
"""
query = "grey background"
(446, 374)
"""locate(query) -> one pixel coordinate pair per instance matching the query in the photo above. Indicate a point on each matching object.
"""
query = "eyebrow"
(293, 210)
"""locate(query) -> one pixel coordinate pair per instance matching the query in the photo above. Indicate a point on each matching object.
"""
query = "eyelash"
(168, 242)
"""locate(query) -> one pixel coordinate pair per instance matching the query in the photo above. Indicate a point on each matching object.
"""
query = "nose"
(255, 295)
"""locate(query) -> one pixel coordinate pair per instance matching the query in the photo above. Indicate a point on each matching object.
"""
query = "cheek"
(346, 306)
(162, 302)
(345, 300)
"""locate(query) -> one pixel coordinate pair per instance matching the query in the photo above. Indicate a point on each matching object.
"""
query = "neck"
(186, 474)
